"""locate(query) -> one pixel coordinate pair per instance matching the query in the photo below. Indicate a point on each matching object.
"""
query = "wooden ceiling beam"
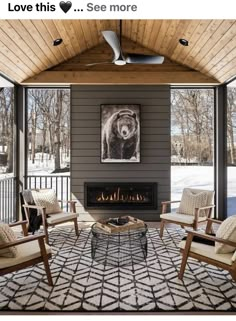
(119, 77)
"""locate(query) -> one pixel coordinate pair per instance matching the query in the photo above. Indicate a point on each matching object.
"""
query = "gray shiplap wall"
(155, 142)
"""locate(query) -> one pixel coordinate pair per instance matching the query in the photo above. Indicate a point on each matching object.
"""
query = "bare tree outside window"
(192, 126)
(6, 129)
(231, 125)
(48, 130)
(192, 139)
(231, 148)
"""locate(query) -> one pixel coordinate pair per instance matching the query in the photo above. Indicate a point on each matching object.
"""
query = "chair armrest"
(169, 202)
(34, 206)
(72, 205)
(199, 209)
(41, 208)
(209, 228)
(165, 203)
(214, 221)
(206, 207)
(69, 202)
(18, 223)
(212, 238)
(22, 240)
(23, 225)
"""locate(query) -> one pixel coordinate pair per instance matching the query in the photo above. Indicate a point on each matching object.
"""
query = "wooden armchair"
(31, 250)
(198, 215)
(206, 253)
(52, 219)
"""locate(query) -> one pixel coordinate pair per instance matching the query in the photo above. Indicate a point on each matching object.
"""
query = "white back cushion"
(193, 198)
(226, 231)
(7, 235)
(46, 198)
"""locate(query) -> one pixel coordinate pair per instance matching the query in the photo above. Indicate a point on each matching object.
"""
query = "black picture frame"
(120, 133)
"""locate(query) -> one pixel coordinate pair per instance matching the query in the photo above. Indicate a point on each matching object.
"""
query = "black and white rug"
(133, 284)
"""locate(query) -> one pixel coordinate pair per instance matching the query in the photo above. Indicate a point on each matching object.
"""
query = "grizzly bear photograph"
(120, 133)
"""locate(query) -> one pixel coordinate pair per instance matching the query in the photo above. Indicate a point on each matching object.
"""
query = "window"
(48, 131)
(6, 128)
(231, 148)
(7, 151)
(192, 140)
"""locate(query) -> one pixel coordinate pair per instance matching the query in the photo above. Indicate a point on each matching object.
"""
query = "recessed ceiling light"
(57, 42)
(183, 42)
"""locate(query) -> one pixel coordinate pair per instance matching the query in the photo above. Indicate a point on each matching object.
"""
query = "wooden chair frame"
(26, 239)
(196, 216)
(186, 252)
(27, 207)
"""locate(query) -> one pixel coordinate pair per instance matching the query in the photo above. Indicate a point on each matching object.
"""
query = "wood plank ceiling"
(26, 45)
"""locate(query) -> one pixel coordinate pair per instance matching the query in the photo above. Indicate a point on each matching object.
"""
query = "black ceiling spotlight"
(183, 42)
(57, 42)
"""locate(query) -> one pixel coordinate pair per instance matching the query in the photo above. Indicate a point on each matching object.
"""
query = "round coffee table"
(119, 248)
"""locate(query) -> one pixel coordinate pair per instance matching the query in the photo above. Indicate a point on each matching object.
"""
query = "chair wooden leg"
(162, 228)
(195, 222)
(25, 229)
(27, 218)
(209, 228)
(195, 226)
(76, 226)
(45, 261)
(233, 274)
(183, 265)
(45, 228)
(185, 256)
(45, 225)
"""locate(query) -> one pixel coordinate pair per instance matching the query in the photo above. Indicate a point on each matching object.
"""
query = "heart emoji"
(65, 6)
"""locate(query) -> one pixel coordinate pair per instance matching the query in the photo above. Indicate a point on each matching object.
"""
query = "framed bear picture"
(120, 133)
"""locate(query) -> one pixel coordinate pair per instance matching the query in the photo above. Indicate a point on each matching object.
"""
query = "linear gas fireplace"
(113, 196)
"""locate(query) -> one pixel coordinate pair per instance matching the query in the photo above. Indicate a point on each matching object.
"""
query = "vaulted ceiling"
(27, 55)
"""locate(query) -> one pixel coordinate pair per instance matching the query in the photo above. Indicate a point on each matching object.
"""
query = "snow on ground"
(39, 168)
(201, 177)
(231, 199)
(46, 168)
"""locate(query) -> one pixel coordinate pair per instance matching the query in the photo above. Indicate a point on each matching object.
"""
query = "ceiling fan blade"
(143, 59)
(112, 39)
(99, 63)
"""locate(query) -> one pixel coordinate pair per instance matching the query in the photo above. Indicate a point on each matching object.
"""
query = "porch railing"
(60, 184)
(8, 199)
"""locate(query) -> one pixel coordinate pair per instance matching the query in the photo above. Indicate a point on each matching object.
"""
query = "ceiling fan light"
(57, 41)
(183, 42)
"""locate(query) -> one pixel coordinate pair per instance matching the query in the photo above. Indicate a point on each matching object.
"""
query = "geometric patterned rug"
(134, 284)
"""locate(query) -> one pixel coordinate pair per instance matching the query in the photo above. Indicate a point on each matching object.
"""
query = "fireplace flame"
(118, 196)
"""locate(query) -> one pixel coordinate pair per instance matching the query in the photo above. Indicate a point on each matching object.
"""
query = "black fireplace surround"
(114, 196)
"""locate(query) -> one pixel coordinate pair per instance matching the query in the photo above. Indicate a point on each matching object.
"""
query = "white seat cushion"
(208, 251)
(61, 217)
(181, 218)
(25, 252)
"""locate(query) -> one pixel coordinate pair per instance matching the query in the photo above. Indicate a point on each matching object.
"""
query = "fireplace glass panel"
(121, 195)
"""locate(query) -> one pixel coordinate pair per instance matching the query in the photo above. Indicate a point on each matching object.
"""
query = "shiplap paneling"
(155, 143)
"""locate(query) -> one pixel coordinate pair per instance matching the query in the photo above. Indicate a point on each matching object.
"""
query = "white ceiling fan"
(121, 58)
